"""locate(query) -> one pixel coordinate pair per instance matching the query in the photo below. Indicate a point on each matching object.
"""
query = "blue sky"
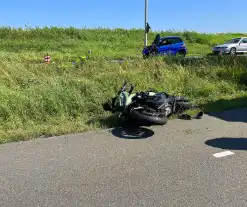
(206, 16)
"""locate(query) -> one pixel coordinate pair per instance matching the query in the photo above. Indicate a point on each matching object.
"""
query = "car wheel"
(233, 51)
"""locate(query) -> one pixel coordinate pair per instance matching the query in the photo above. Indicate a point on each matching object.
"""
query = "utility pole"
(145, 27)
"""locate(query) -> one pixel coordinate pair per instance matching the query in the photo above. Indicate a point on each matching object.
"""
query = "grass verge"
(46, 100)
(59, 98)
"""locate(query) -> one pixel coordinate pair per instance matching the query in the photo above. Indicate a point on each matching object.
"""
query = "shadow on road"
(233, 110)
(132, 132)
(124, 128)
(228, 143)
(235, 115)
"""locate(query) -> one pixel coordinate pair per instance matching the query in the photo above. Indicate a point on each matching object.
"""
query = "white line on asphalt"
(223, 154)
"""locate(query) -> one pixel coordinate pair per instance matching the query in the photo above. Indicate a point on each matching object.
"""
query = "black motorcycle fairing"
(157, 101)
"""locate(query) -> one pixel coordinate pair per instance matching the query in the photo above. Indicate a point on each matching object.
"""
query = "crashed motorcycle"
(147, 107)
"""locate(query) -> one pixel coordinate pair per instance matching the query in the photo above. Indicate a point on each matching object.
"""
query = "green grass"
(45, 100)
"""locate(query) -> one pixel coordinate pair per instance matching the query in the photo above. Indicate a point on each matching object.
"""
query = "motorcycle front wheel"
(139, 116)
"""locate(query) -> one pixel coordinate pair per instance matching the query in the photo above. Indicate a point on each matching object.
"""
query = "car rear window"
(170, 40)
(166, 41)
(177, 40)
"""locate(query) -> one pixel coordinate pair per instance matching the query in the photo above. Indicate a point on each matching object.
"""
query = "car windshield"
(235, 40)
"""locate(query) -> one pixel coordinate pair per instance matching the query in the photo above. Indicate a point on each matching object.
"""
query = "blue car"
(169, 45)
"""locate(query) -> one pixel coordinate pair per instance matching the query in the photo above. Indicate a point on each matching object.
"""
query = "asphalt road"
(176, 166)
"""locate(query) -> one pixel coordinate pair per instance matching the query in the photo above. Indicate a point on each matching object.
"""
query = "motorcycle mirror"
(131, 89)
(123, 87)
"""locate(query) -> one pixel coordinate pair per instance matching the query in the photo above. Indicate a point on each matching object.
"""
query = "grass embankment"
(39, 99)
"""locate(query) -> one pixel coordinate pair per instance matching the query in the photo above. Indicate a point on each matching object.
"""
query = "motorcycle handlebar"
(131, 89)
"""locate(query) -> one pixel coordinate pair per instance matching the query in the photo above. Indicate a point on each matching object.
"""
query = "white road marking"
(223, 154)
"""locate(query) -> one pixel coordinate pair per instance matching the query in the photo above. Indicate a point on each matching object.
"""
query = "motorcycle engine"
(168, 109)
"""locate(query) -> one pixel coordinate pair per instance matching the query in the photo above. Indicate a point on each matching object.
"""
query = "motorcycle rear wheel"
(153, 120)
